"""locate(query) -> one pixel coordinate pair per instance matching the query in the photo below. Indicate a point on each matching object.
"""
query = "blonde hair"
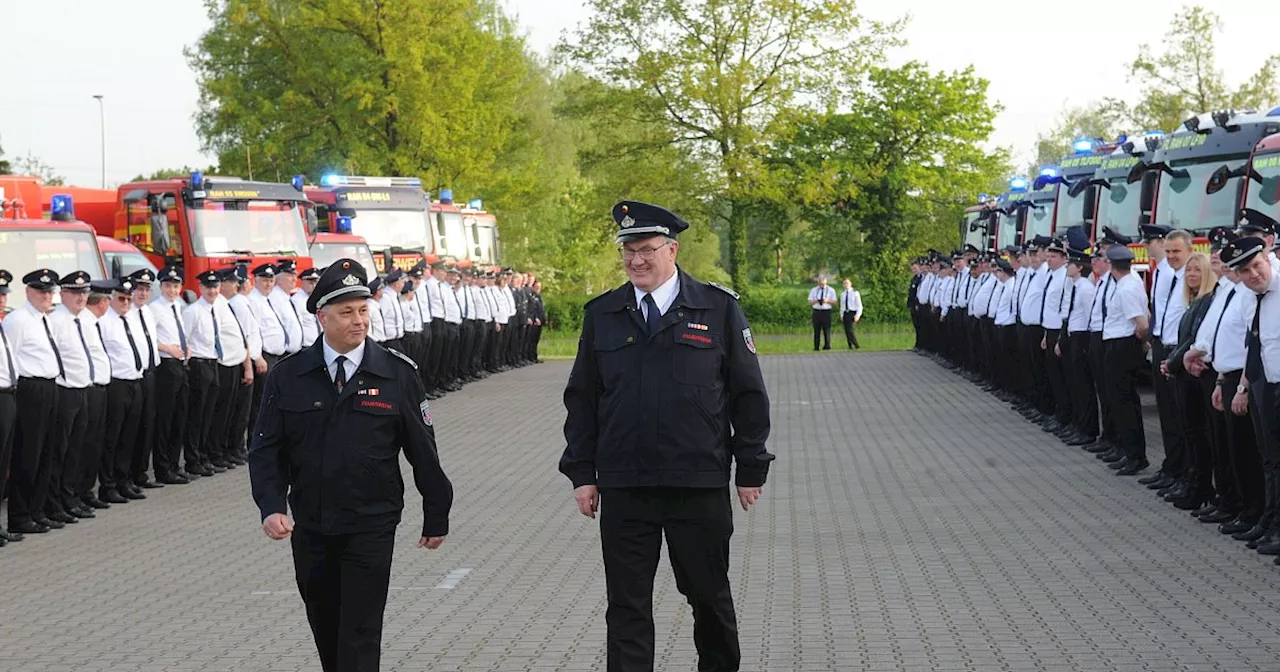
(1208, 279)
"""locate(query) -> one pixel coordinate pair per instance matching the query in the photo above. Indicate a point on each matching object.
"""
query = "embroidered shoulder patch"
(751, 342)
(425, 407)
(724, 289)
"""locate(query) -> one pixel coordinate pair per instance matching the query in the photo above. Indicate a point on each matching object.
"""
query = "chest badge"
(699, 327)
(370, 392)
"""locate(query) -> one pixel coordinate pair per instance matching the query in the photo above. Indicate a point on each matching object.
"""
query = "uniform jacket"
(336, 457)
(1188, 326)
(669, 409)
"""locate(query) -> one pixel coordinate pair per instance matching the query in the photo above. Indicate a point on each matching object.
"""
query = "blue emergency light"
(298, 182)
(329, 181)
(344, 225)
(1018, 184)
(61, 209)
(1122, 138)
(475, 204)
(1049, 171)
(446, 196)
(197, 180)
(1083, 146)
(982, 198)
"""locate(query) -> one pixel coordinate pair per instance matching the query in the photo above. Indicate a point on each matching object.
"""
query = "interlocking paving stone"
(911, 522)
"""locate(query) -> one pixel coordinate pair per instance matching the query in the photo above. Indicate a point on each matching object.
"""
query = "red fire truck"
(60, 243)
(392, 214)
(1261, 191)
(327, 248)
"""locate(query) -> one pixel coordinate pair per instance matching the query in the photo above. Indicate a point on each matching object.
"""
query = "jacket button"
(630, 339)
(317, 405)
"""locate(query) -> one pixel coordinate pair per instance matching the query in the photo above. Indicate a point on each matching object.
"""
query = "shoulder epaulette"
(285, 356)
(603, 294)
(724, 289)
(404, 357)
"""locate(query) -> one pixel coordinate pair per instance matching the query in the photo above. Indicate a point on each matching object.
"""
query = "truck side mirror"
(117, 267)
(1217, 180)
(1135, 174)
(313, 223)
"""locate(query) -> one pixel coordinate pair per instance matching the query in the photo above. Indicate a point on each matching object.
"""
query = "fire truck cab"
(391, 214)
(60, 243)
(1260, 190)
(327, 248)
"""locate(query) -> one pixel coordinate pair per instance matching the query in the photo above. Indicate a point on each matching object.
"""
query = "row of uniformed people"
(1222, 448)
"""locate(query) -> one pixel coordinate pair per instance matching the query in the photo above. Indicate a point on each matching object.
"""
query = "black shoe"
(1098, 447)
(1112, 457)
(198, 469)
(82, 512)
(49, 523)
(28, 527)
(215, 469)
(112, 497)
(1148, 480)
(1270, 544)
(1192, 502)
(172, 479)
(1252, 535)
(1180, 490)
(148, 484)
(1166, 481)
(11, 537)
(1218, 517)
(1207, 510)
(1236, 527)
(94, 503)
(1081, 440)
(61, 517)
(131, 494)
(219, 463)
(182, 473)
(1132, 466)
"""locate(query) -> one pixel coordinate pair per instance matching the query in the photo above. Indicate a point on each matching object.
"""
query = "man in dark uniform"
(539, 315)
(334, 419)
(8, 400)
(674, 362)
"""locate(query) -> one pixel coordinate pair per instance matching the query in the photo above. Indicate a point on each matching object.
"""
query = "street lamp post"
(102, 122)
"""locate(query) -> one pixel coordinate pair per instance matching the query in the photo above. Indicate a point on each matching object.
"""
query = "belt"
(204, 360)
(272, 354)
(8, 390)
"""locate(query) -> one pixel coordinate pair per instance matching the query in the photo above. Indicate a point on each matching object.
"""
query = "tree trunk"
(777, 247)
(737, 245)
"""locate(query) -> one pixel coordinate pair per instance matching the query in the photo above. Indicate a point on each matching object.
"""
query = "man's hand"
(1240, 404)
(1057, 349)
(277, 526)
(1164, 368)
(1193, 362)
(260, 366)
(1217, 398)
(747, 497)
(588, 499)
(430, 543)
(1044, 343)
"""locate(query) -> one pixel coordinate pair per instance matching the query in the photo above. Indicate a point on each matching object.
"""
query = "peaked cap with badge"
(143, 276)
(42, 279)
(171, 273)
(1241, 251)
(76, 281)
(645, 220)
(265, 271)
(343, 279)
(1254, 221)
(5, 278)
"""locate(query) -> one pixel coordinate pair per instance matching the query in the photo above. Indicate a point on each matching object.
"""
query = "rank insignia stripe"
(699, 327)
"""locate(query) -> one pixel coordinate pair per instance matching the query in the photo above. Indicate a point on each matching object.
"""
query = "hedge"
(770, 309)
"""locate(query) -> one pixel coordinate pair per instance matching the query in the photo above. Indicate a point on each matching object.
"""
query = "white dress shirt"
(8, 364)
(33, 355)
(452, 309)
(168, 316)
(392, 314)
(310, 328)
(73, 349)
(290, 322)
(412, 319)
(1095, 312)
(270, 326)
(664, 295)
(484, 308)
(435, 297)
(421, 296)
(128, 357)
(943, 295)
(1033, 296)
(817, 293)
(1055, 292)
(960, 290)
(1077, 304)
(851, 301)
(97, 347)
(500, 314)
(351, 365)
(1126, 301)
(144, 323)
(982, 295)
(1171, 304)
(1269, 326)
(1220, 336)
(377, 328)
(925, 289)
(1005, 297)
(248, 320)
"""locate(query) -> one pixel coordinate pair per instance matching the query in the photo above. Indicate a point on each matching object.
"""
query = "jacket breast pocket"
(614, 351)
(696, 357)
(300, 416)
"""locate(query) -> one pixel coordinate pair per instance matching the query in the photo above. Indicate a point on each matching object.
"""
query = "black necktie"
(1155, 277)
(1253, 368)
(1214, 343)
(62, 373)
(151, 351)
(8, 356)
(340, 377)
(1105, 299)
(1101, 294)
(1044, 299)
(182, 337)
(133, 345)
(1071, 307)
(217, 337)
(286, 331)
(1164, 313)
(85, 345)
(652, 316)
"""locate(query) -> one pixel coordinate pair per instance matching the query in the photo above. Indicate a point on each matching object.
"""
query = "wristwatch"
(1242, 389)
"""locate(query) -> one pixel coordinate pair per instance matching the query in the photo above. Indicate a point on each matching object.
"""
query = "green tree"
(1106, 120)
(721, 74)
(1184, 79)
(31, 165)
(169, 173)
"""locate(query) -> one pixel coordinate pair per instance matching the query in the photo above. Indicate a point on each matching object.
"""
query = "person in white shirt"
(392, 313)
(235, 372)
(435, 301)
(271, 332)
(483, 325)
(62, 503)
(412, 338)
(850, 312)
(96, 309)
(125, 347)
(1124, 330)
(204, 338)
(38, 365)
(1005, 342)
(1052, 320)
(470, 325)
(290, 320)
(145, 320)
(422, 296)
(306, 285)
(172, 391)
(453, 333)
(822, 299)
(1031, 307)
(377, 326)
(8, 396)
(1167, 306)
(1073, 348)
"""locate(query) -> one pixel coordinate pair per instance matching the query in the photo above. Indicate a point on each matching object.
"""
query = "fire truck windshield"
(324, 254)
(1183, 203)
(1039, 219)
(1071, 208)
(247, 227)
(1120, 208)
(976, 238)
(407, 229)
(1007, 231)
(1265, 197)
(25, 250)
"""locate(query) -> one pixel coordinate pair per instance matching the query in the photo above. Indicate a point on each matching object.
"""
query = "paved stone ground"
(911, 523)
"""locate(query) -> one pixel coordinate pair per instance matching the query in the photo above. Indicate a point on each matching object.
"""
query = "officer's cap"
(1119, 253)
(1220, 236)
(171, 273)
(375, 285)
(970, 248)
(231, 274)
(1056, 245)
(310, 274)
(1152, 232)
(1241, 251)
(5, 278)
(287, 266)
(265, 271)
(1077, 239)
(125, 286)
(76, 281)
(418, 268)
(393, 276)
(344, 279)
(42, 279)
(408, 287)
(143, 276)
(1253, 221)
(103, 287)
(1112, 237)
(1004, 266)
(212, 278)
(644, 220)
(1077, 256)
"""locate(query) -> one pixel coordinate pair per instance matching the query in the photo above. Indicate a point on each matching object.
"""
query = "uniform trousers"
(449, 358)
(1005, 346)
(65, 458)
(411, 342)
(439, 339)
(1122, 361)
(424, 366)
(217, 448)
(1097, 361)
(1171, 427)
(1193, 417)
(145, 443)
(1266, 427)
(1084, 400)
(94, 441)
(697, 523)
(203, 379)
(851, 338)
(234, 441)
(343, 581)
(822, 328)
(1035, 376)
(482, 330)
(259, 384)
(466, 346)
(1246, 458)
(8, 423)
(124, 408)
(1055, 373)
(533, 342)
(172, 399)
(35, 438)
(1224, 478)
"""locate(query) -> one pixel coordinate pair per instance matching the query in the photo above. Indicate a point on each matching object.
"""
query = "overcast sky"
(1039, 57)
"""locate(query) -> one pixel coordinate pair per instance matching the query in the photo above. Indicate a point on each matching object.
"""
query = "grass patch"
(873, 338)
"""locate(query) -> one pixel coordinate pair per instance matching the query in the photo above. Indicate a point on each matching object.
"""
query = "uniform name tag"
(699, 338)
(376, 404)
